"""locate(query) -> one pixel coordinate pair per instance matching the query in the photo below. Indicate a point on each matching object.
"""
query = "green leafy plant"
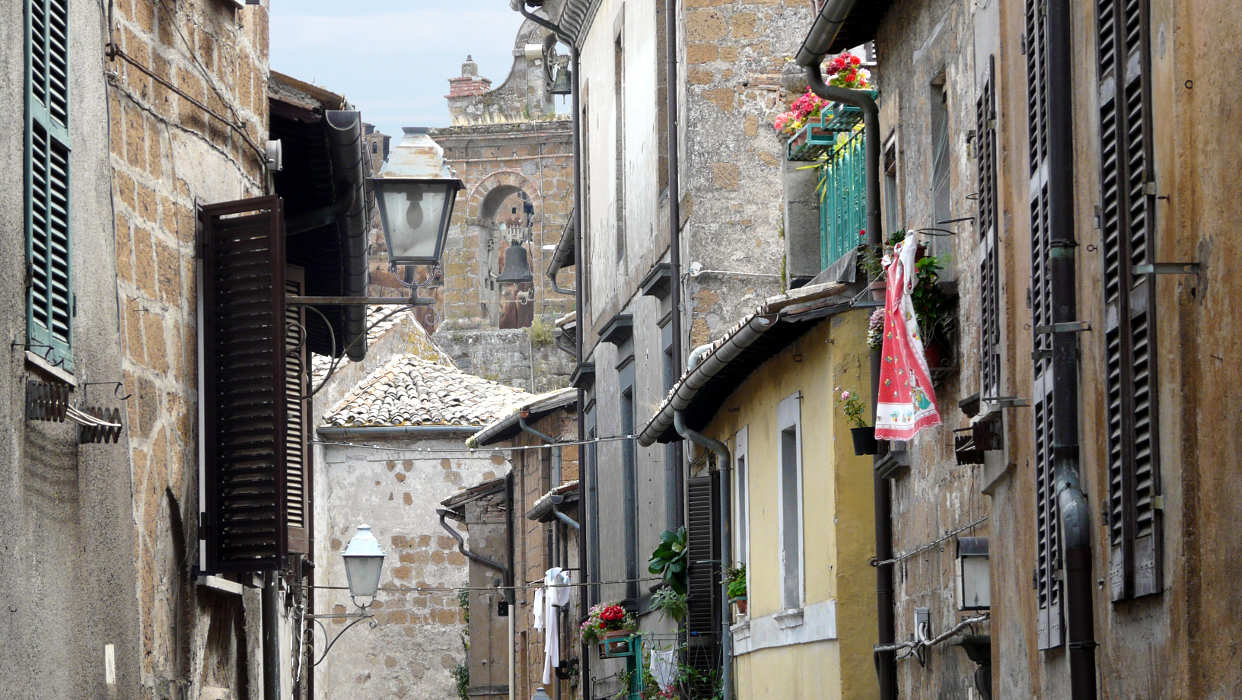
(669, 602)
(736, 579)
(669, 559)
(461, 673)
(934, 308)
(852, 407)
(541, 332)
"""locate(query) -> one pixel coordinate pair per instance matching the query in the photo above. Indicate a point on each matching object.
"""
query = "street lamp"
(416, 191)
(364, 560)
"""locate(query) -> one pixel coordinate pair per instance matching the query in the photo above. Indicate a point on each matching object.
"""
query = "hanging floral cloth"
(906, 403)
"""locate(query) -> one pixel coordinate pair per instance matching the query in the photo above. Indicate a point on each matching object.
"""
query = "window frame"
(789, 416)
(741, 499)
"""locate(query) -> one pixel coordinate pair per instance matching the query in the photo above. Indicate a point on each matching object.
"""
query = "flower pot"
(864, 440)
(609, 634)
(934, 353)
(741, 605)
(878, 290)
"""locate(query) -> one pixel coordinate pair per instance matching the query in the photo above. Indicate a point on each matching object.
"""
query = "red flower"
(855, 60)
(612, 613)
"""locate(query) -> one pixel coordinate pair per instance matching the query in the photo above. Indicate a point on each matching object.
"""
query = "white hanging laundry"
(555, 596)
(664, 668)
(537, 609)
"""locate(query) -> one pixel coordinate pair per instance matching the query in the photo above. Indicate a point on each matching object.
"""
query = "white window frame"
(789, 415)
(741, 499)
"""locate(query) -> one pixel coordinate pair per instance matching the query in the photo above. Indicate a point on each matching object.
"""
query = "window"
(630, 475)
(375, 147)
(989, 267)
(789, 490)
(741, 500)
(1048, 587)
(618, 128)
(672, 451)
(49, 290)
(892, 201)
(1127, 205)
(255, 472)
(942, 155)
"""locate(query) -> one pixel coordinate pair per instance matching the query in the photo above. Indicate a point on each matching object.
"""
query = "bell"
(517, 266)
(560, 85)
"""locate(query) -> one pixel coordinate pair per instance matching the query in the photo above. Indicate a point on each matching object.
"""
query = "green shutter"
(49, 296)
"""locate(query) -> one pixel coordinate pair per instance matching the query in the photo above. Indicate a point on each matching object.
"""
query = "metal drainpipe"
(270, 602)
(677, 486)
(723, 463)
(1072, 502)
(821, 35)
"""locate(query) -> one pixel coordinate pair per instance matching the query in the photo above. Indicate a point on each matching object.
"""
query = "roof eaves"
(507, 426)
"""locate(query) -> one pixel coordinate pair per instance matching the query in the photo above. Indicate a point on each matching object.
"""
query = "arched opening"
(506, 217)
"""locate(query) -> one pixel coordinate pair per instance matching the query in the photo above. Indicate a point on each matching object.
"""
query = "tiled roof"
(409, 390)
(505, 423)
(417, 338)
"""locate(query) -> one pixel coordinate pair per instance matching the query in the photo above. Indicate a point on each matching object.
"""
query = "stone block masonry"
(166, 155)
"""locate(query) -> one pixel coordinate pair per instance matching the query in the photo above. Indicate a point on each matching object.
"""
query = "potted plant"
(875, 329)
(670, 603)
(668, 560)
(606, 620)
(736, 580)
(863, 434)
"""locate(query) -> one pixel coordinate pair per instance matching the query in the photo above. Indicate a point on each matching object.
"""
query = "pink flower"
(845, 396)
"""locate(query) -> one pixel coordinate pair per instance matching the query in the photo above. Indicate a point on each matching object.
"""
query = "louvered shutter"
(1047, 536)
(989, 267)
(703, 599)
(244, 386)
(297, 416)
(1126, 207)
(49, 295)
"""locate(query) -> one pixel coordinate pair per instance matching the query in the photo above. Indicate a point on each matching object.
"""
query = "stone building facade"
(516, 160)
(390, 451)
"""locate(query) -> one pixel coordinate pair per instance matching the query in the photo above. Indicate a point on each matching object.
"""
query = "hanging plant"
(669, 559)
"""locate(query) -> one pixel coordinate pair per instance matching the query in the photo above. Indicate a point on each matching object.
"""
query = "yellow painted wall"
(838, 522)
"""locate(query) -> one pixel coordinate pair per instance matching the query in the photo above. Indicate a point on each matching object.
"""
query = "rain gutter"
(816, 44)
(394, 431)
(345, 146)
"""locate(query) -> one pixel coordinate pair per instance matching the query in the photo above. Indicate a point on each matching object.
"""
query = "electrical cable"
(516, 586)
(471, 450)
(930, 545)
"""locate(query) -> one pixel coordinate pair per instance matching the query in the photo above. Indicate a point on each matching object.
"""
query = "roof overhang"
(841, 25)
(702, 389)
(544, 509)
(507, 427)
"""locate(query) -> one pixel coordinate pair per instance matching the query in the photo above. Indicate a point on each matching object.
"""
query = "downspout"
(817, 42)
(723, 462)
(270, 602)
(584, 655)
(676, 485)
(1071, 500)
(461, 546)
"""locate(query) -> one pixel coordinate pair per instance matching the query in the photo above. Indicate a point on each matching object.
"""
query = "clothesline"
(464, 448)
(930, 545)
(519, 586)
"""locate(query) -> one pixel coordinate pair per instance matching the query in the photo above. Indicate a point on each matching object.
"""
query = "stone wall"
(167, 154)
(497, 164)
(421, 622)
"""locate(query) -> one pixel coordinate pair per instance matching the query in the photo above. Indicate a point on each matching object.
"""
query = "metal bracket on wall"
(1064, 327)
(1006, 401)
(47, 401)
(1169, 268)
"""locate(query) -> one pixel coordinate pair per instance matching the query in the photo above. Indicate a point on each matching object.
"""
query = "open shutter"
(1047, 536)
(244, 384)
(297, 417)
(1126, 208)
(49, 295)
(703, 603)
(989, 266)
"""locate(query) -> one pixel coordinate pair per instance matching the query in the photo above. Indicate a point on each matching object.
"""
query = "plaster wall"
(419, 638)
(838, 522)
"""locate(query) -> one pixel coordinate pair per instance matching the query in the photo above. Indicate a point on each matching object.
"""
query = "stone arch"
(483, 215)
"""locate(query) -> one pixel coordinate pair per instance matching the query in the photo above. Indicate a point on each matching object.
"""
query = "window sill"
(788, 619)
(223, 585)
(42, 366)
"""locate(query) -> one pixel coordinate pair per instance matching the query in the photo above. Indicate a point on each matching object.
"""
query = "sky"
(392, 58)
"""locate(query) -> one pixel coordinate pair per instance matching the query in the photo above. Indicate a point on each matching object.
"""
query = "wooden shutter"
(1126, 208)
(244, 386)
(703, 599)
(1047, 536)
(989, 266)
(702, 541)
(297, 416)
(49, 294)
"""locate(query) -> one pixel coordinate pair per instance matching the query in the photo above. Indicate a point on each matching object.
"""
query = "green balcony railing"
(843, 197)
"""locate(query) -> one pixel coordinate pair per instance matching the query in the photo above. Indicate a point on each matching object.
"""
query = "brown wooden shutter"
(297, 416)
(1126, 208)
(244, 385)
(1047, 532)
(989, 266)
(703, 599)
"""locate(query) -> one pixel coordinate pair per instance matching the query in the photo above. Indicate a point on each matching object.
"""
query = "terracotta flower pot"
(878, 290)
(609, 634)
(864, 440)
(741, 605)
